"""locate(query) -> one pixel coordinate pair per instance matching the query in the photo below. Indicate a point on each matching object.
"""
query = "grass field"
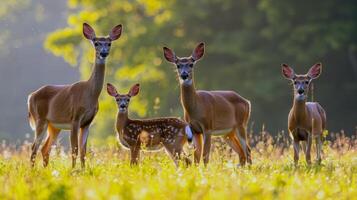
(109, 176)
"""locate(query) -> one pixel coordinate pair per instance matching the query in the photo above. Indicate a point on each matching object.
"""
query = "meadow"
(108, 174)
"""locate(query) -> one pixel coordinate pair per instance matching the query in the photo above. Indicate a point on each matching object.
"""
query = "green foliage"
(246, 41)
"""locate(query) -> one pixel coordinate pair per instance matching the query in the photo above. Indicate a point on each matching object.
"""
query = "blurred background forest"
(246, 41)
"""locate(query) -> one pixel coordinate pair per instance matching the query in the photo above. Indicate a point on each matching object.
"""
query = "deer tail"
(30, 116)
(249, 110)
(189, 133)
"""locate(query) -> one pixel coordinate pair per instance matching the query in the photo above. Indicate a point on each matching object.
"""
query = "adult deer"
(217, 113)
(306, 119)
(153, 134)
(70, 107)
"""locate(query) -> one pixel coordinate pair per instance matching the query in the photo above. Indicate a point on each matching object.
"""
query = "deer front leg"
(134, 155)
(74, 142)
(308, 149)
(197, 142)
(242, 136)
(318, 148)
(83, 136)
(206, 148)
(296, 145)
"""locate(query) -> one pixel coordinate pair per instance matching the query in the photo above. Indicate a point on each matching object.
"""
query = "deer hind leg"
(198, 144)
(175, 150)
(206, 148)
(318, 148)
(52, 134)
(40, 130)
(83, 144)
(235, 144)
(242, 136)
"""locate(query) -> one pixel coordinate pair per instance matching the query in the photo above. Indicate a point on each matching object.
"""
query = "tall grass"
(109, 176)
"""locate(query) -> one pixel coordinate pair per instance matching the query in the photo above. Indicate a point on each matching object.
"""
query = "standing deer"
(70, 107)
(306, 119)
(217, 113)
(153, 134)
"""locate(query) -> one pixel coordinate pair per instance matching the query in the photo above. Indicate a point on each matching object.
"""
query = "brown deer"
(217, 113)
(70, 107)
(152, 134)
(306, 119)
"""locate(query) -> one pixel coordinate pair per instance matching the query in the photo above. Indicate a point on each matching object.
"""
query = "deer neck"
(96, 79)
(299, 110)
(189, 97)
(122, 121)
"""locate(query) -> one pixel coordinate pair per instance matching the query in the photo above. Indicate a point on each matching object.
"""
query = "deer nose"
(300, 91)
(122, 106)
(184, 76)
(104, 54)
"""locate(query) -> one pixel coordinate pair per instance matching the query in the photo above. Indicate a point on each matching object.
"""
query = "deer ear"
(169, 55)
(111, 90)
(116, 32)
(88, 31)
(199, 51)
(315, 71)
(134, 90)
(287, 71)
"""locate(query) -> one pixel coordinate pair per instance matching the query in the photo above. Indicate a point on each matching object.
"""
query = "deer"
(211, 113)
(149, 134)
(306, 120)
(53, 108)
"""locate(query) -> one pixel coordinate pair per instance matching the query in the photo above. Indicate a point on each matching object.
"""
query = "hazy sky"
(25, 65)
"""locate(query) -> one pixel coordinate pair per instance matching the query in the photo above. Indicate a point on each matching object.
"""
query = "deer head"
(123, 99)
(185, 64)
(301, 82)
(101, 44)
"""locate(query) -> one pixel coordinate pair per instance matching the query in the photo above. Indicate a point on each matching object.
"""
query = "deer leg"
(174, 152)
(83, 136)
(198, 145)
(206, 148)
(318, 148)
(242, 136)
(52, 134)
(40, 131)
(296, 146)
(304, 146)
(308, 149)
(134, 154)
(234, 143)
(74, 142)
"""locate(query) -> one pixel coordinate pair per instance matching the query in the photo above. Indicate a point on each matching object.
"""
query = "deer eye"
(295, 82)
(96, 44)
(178, 66)
(306, 82)
(190, 65)
(109, 44)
